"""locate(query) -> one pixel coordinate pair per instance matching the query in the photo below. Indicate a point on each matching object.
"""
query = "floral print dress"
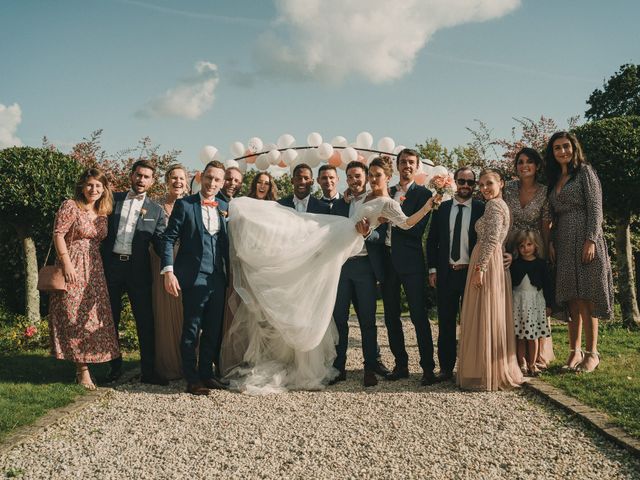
(80, 319)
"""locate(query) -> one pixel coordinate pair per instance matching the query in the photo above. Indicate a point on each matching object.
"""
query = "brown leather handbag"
(51, 277)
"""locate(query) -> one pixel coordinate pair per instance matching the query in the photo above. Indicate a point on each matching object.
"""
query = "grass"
(33, 383)
(614, 387)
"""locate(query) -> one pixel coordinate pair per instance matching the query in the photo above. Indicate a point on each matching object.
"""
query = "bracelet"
(480, 268)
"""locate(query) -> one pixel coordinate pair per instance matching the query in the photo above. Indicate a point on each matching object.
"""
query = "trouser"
(449, 294)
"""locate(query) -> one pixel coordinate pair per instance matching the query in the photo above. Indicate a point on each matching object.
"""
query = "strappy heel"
(573, 366)
(581, 367)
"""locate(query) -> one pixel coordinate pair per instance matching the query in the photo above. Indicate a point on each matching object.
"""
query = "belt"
(122, 258)
(458, 266)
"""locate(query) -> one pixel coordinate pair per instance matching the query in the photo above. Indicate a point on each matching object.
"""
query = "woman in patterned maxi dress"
(81, 324)
(584, 283)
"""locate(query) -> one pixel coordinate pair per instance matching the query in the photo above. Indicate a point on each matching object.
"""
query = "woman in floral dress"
(80, 318)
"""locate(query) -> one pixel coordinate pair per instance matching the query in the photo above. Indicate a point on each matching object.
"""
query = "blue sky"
(408, 69)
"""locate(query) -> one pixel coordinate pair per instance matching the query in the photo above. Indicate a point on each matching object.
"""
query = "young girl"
(531, 298)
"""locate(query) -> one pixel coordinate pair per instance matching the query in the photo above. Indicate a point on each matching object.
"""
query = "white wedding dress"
(286, 267)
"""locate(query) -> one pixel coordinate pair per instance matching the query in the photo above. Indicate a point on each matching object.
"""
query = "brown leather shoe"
(214, 384)
(370, 379)
(197, 389)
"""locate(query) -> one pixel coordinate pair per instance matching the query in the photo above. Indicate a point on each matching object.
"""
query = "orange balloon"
(252, 158)
(335, 160)
(420, 178)
(197, 176)
(282, 164)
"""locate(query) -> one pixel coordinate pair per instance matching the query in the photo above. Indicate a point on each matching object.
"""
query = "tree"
(35, 182)
(619, 97)
(613, 147)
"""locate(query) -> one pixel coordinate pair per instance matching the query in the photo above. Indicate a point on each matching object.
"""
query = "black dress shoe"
(214, 384)
(428, 378)
(381, 369)
(342, 376)
(197, 389)
(445, 376)
(154, 379)
(114, 374)
(398, 373)
(370, 379)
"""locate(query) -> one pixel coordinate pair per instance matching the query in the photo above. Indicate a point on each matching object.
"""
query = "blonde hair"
(104, 205)
(530, 235)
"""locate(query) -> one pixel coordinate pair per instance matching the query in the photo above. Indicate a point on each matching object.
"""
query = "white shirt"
(400, 192)
(464, 232)
(301, 205)
(129, 215)
(355, 202)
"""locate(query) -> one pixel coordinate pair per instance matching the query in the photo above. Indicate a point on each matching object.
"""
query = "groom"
(198, 223)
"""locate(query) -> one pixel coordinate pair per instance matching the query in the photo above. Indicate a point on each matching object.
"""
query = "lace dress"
(80, 319)
(487, 359)
(286, 266)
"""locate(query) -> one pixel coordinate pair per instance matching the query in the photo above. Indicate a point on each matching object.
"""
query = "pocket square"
(149, 219)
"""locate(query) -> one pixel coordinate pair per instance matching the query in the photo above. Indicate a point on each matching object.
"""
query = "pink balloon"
(335, 160)
(282, 164)
(420, 178)
(252, 158)
(362, 159)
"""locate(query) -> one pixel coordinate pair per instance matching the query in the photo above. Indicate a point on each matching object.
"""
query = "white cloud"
(375, 39)
(10, 118)
(189, 99)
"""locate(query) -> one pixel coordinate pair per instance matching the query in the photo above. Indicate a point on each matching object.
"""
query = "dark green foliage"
(619, 97)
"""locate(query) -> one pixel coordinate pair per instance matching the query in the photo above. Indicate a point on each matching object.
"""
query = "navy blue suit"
(200, 267)
(405, 266)
(314, 205)
(132, 274)
(450, 283)
(357, 283)
(331, 202)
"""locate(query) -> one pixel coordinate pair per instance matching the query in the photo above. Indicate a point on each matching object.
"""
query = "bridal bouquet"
(442, 183)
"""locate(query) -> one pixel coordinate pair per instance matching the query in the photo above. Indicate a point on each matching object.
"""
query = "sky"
(192, 73)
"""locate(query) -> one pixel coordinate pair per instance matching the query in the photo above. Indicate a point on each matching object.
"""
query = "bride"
(286, 267)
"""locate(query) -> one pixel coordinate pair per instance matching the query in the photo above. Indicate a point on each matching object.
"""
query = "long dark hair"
(272, 194)
(553, 167)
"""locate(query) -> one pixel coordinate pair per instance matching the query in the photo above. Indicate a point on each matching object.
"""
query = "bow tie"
(135, 196)
(209, 203)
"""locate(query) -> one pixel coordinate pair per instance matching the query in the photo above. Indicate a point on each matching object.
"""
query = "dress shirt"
(400, 192)
(356, 202)
(129, 215)
(301, 205)
(210, 218)
(464, 232)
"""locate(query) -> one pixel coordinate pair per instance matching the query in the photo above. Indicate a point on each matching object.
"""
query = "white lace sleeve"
(391, 211)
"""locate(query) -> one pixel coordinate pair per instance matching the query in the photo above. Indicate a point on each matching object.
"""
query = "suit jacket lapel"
(146, 206)
(116, 215)
(445, 213)
(197, 214)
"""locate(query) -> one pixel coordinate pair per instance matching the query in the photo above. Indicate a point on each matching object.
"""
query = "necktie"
(209, 203)
(457, 230)
(134, 196)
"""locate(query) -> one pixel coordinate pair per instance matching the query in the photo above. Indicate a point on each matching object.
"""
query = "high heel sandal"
(581, 367)
(91, 386)
(533, 370)
(574, 366)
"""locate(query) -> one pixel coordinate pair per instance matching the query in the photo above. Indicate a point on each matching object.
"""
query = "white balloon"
(262, 162)
(285, 141)
(440, 170)
(386, 144)
(289, 155)
(349, 154)
(254, 145)
(208, 153)
(231, 163)
(237, 149)
(274, 156)
(325, 150)
(398, 149)
(314, 139)
(312, 158)
(364, 140)
(242, 165)
(339, 141)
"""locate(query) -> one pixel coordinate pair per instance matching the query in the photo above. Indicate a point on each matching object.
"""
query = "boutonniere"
(402, 199)
(143, 211)
(224, 213)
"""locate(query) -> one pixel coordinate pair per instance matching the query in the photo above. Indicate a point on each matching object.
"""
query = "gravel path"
(397, 429)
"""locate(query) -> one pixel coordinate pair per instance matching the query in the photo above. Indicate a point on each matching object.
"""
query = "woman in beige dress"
(487, 355)
(528, 205)
(167, 310)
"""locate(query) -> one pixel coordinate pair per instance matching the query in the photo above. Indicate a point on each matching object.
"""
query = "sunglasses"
(462, 181)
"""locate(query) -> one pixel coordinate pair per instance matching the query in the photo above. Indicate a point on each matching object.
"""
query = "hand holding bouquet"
(442, 183)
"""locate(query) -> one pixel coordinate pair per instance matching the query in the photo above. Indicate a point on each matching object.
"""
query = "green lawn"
(33, 383)
(614, 387)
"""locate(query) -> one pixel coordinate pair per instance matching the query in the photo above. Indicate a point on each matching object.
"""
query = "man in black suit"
(358, 279)
(135, 223)
(302, 200)
(328, 181)
(451, 239)
(404, 266)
